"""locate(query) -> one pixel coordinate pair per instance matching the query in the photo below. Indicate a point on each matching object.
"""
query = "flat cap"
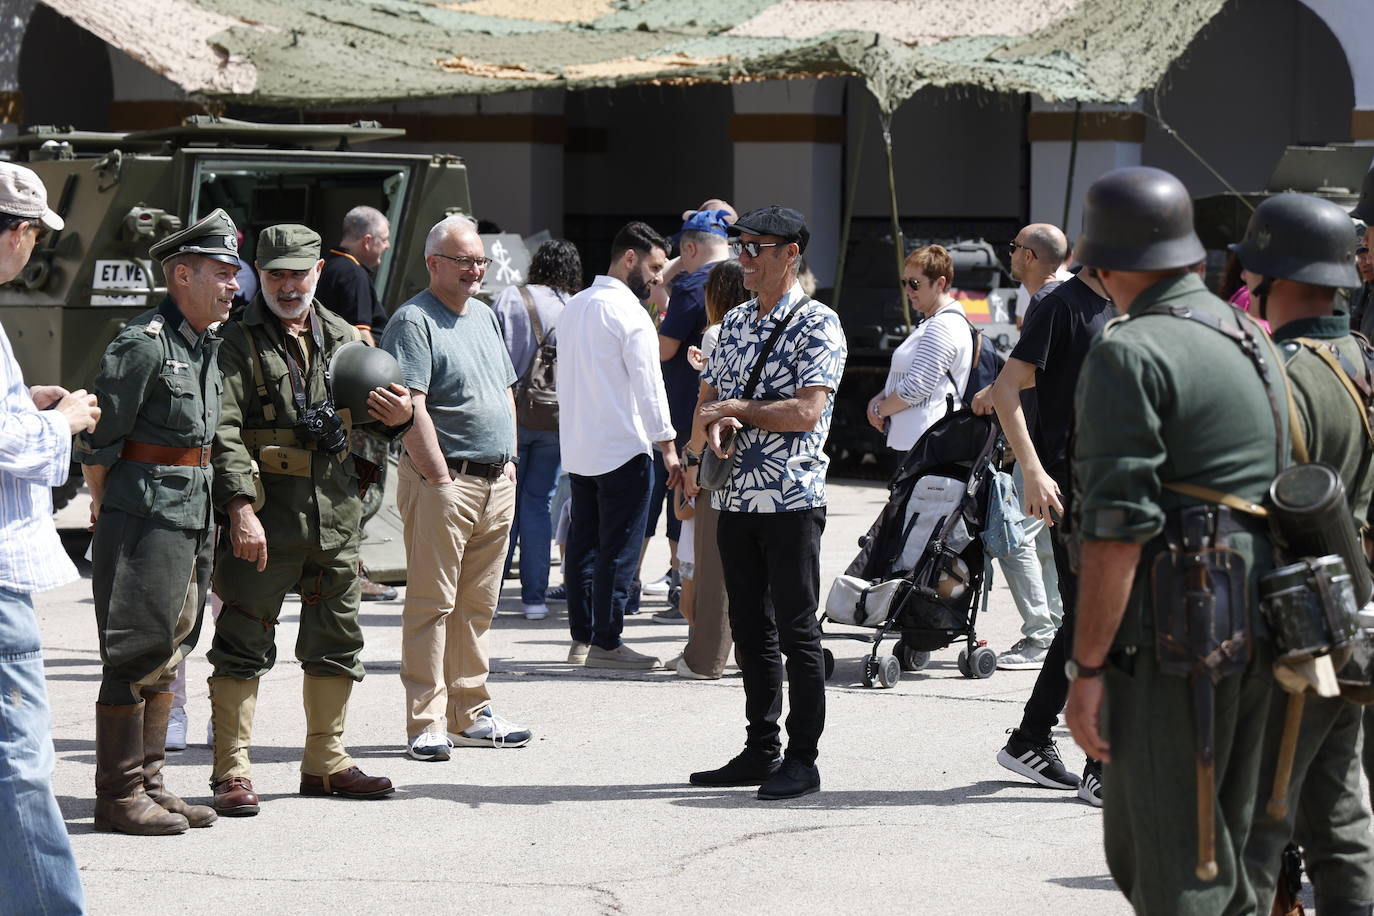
(783, 222)
(22, 194)
(213, 236)
(288, 247)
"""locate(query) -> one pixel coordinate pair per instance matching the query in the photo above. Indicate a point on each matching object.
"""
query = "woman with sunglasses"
(931, 367)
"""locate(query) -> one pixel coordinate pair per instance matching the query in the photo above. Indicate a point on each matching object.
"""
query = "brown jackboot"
(120, 802)
(157, 707)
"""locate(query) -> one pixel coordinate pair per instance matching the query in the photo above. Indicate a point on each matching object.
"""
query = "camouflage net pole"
(849, 210)
(898, 245)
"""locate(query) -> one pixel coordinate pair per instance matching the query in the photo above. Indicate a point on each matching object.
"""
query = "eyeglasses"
(913, 285)
(465, 263)
(1013, 246)
(753, 249)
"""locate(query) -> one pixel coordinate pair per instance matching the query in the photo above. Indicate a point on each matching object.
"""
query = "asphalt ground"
(595, 815)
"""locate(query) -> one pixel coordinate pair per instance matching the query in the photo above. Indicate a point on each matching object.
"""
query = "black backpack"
(987, 362)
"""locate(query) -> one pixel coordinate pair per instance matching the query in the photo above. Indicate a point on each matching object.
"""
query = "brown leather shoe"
(376, 591)
(349, 783)
(234, 797)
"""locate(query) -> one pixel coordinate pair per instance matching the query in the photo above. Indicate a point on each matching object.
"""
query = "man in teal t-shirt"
(456, 495)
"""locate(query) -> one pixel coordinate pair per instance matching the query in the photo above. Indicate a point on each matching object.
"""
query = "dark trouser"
(777, 552)
(149, 583)
(1326, 809)
(1051, 691)
(660, 501)
(329, 639)
(604, 542)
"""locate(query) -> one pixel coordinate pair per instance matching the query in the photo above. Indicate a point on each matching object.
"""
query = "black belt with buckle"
(477, 469)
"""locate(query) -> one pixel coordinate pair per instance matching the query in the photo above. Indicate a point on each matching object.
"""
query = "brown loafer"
(349, 783)
(234, 797)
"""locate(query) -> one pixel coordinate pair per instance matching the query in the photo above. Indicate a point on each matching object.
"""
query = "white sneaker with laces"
(176, 729)
(428, 746)
(659, 586)
(491, 730)
(536, 611)
(1023, 656)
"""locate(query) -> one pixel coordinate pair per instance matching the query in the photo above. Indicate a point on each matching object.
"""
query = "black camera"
(322, 425)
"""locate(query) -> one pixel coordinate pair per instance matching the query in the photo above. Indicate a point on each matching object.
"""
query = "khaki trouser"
(455, 546)
(708, 641)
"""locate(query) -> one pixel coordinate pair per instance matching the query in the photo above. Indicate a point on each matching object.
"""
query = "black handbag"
(715, 471)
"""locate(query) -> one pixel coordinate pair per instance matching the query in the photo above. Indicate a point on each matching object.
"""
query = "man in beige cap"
(37, 871)
(147, 464)
(302, 534)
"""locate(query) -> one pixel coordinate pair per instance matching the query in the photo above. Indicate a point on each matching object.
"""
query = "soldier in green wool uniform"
(147, 464)
(1181, 418)
(1297, 252)
(285, 361)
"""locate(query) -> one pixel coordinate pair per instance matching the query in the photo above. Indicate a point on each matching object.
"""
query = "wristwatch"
(689, 459)
(1074, 671)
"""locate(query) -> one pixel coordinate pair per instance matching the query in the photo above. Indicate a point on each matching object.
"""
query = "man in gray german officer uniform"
(285, 361)
(1297, 252)
(1181, 416)
(147, 464)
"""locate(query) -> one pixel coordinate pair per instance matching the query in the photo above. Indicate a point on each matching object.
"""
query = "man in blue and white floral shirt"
(772, 510)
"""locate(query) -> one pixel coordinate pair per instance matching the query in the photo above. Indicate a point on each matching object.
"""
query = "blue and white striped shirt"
(35, 455)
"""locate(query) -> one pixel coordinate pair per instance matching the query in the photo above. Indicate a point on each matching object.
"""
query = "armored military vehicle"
(121, 192)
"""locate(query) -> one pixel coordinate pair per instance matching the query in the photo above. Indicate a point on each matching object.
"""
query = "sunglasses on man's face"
(753, 249)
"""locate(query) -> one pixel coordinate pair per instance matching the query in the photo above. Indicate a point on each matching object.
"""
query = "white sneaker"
(491, 730)
(577, 654)
(536, 611)
(1023, 656)
(176, 729)
(683, 671)
(428, 746)
(659, 586)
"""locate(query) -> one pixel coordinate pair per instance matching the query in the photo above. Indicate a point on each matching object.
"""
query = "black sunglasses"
(913, 285)
(753, 249)
(1013, 246)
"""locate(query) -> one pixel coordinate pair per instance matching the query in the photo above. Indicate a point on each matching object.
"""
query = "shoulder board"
(154, 327)
(1290, 348)
(1115, 323)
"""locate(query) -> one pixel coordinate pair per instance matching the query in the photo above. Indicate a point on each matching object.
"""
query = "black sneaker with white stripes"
(1037, 762)
(1090, 789)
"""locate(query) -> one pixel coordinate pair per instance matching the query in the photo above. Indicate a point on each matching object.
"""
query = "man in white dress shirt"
(612, 413)
(37, 872)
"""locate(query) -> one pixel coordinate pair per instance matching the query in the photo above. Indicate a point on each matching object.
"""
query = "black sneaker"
(1090, 790)
(1037, 762)
(557, 593)
(746, 769)
(793, 780)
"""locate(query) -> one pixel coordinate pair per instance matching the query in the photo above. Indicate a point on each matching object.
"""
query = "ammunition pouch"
(1356, 676)
(284, 459)
(281, 451)
(1309, 607)
(1200, 595)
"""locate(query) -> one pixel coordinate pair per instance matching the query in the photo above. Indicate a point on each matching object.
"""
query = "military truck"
(121, 192)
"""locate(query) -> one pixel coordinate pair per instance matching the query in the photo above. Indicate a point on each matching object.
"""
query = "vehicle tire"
(962, 662)
(889, 671)
(870, 671)
(984, 662)
(829, 663)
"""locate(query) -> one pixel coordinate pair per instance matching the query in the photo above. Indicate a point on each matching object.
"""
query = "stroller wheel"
(829, 662)
(983, 663)
(889, 671)
(911, 659)
(964, 668)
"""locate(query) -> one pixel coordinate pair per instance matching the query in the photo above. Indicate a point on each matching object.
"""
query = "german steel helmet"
(354, 371)
(1138, 218)
(1364, 210)
(1301, 238)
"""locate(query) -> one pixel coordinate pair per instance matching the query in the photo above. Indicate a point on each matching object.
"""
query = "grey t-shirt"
(462, 366)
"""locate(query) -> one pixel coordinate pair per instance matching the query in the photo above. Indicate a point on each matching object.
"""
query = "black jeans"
(777, 555)
(604, 541)
(1051, 691)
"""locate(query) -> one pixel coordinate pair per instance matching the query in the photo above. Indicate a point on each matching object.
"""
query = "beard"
(290, 306)
(639, 285)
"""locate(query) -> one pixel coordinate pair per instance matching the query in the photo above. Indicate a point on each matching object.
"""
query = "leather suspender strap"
(1208, 495)
(1356, 385)
(534, 315)
(269, 410)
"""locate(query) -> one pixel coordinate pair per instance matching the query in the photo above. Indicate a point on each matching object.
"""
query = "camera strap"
(295, 363)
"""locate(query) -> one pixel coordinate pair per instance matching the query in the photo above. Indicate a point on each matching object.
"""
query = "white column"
(1109, 137)
(788, 137)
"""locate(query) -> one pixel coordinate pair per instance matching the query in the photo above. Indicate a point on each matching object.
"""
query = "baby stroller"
(921, 567)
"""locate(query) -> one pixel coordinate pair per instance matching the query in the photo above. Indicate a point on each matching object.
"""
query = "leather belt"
(146, 453)
(477, 469)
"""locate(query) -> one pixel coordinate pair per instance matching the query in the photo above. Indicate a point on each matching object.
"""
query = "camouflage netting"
(317, 53)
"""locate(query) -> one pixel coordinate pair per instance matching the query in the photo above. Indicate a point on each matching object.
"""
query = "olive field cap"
(1138, 218)
(354, 370)
(1301, 238)
(783, 222)
(213, 236)
(1364, 210)
(288, 247)
(22, 194)
(714, 221)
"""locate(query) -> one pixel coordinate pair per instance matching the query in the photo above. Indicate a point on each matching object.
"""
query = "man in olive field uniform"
(278, 411)
(147, 464)
(1297, 251)
(1168, 399)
